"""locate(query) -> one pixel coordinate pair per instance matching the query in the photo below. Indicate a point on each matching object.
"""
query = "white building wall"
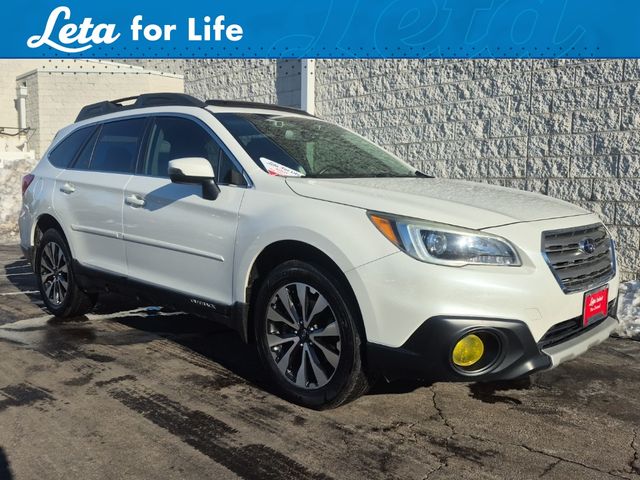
(9, 70)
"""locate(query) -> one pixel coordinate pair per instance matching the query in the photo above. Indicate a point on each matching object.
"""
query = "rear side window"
(66, 151)
(117, 147)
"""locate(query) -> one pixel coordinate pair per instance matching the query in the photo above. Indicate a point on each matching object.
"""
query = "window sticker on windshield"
(277, 169)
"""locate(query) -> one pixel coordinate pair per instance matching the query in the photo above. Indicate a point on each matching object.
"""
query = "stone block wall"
(267, 81)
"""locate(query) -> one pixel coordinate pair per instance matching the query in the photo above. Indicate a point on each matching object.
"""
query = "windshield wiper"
(423, 175)
(387, 175)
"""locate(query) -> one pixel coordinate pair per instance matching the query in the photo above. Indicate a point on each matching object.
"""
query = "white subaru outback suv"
(340, 262)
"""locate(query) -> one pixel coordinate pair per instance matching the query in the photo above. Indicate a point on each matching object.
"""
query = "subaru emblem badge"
(587, 245)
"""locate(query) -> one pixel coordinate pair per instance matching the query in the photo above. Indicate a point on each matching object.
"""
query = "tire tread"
(357, 382)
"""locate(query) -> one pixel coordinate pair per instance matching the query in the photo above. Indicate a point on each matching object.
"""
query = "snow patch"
(629, 310)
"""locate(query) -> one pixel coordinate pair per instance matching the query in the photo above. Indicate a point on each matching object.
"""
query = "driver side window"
(175, 137)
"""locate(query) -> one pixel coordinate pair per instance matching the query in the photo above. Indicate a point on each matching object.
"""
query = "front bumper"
(427, 353)
(579, 344)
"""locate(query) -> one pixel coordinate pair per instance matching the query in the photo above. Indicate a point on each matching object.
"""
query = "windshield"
(296, 146)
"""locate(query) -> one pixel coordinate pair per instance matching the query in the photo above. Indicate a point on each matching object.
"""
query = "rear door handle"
(134, 201)
(67, 188)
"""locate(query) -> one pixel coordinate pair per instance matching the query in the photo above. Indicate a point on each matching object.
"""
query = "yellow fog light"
(468, 350)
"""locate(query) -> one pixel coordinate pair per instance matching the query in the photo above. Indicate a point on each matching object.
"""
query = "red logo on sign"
(595, 306)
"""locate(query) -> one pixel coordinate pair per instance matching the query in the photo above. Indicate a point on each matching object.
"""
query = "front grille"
(565, 330)
(574, 268)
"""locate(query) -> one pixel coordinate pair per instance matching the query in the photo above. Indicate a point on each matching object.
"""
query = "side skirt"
(95, 280)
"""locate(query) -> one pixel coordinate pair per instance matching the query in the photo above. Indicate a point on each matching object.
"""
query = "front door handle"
(134, 201)
(67, 188)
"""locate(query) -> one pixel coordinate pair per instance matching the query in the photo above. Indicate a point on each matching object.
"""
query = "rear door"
(174, 238)
(88, 197)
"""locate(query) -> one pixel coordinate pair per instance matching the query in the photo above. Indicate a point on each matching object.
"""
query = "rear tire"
(57, 283)
(313, 353)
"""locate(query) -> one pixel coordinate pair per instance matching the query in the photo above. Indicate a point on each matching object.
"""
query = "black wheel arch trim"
(48, 220)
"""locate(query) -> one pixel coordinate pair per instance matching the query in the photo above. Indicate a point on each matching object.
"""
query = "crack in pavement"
(547, 454)
(635, 461)
(573, 462)
(550, 467)
(444, 461)
(441, 415)
(435, 470)
(455, 448)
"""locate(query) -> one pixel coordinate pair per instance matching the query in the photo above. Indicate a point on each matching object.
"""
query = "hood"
(454, 202)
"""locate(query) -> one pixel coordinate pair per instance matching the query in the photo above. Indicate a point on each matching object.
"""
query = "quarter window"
(63, 154)
(117, 147)
(84, 157)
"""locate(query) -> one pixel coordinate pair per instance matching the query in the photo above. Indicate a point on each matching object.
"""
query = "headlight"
(445, 244)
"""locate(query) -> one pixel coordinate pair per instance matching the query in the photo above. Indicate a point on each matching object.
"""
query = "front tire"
(56, 280)
(307, 336)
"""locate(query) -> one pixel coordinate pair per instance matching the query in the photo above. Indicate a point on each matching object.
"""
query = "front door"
(173, 237)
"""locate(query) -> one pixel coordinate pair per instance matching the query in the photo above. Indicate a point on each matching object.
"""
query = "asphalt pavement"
(135, 391)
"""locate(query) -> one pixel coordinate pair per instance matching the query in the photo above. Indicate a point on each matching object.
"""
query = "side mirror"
(195, 170)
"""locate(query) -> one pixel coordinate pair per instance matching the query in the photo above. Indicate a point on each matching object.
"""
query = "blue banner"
(321, 28)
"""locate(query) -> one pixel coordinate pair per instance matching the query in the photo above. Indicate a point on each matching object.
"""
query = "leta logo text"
(85, 35)
(70, 37)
